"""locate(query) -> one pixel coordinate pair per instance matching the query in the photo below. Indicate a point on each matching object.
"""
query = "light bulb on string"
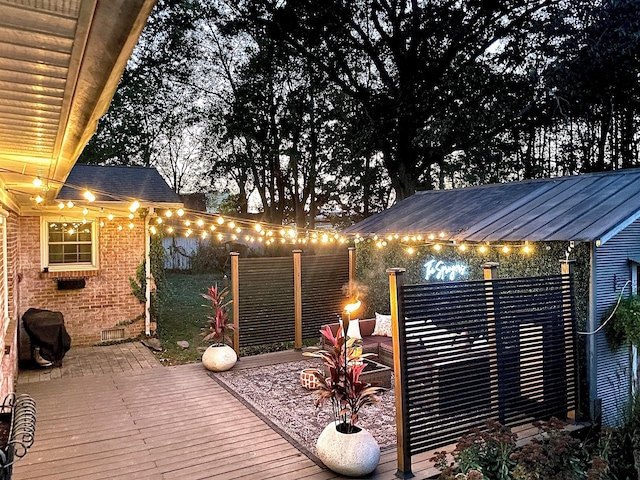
(168, 213)
(110, 216)
(70, 204)
(134, 206)
(131, 216)
(482, 249)
(37, 182)
(200, 222)
(90, 197)
(505, 249)
(437, 247)
(180, 212)
(85, 211)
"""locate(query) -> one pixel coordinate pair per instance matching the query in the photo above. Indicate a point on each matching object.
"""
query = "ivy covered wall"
(544, 259)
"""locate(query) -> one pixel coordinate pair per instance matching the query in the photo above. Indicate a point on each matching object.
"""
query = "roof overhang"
(60, 64)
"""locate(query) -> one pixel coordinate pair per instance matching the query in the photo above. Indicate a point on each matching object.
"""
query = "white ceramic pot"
(352, 454)
(219, 358)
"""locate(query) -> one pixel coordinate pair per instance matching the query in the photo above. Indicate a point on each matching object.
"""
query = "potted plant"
(219, 356)
(343, 446)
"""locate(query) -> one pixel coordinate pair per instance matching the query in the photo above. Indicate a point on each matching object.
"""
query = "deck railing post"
(352, 270)
(396, 297)
(490, 270)
(235, 293)
(297, 298)
(567, 268)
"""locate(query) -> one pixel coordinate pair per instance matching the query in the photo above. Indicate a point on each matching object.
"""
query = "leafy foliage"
(624, 325)
(138, 284)
(552, 455)
(219, 325)
(339, 381)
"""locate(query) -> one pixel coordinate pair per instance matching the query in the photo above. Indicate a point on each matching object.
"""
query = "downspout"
(147, 273)
(592, 358)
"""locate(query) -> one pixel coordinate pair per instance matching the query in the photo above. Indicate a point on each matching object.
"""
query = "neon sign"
(438, 270)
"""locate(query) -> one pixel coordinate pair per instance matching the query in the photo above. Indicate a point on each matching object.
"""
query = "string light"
(37, 182)
(90, 197)
(134, 206)
(69, 204)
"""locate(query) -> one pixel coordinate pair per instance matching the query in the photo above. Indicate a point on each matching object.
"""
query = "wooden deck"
(170, 423)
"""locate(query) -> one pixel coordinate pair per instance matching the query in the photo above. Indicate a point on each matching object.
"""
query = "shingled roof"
(117, 184)
(581, 208)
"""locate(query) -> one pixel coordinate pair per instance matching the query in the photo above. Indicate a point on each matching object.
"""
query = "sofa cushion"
(383, 325)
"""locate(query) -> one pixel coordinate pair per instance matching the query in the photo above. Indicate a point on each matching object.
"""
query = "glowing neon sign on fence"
(438, 270)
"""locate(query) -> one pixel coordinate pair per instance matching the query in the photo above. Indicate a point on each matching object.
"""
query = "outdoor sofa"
(381, 345)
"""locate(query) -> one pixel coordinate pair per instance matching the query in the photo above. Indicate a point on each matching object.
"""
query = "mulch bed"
(275, 394)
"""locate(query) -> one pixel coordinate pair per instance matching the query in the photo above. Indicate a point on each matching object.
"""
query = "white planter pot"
(219, 358)
(351, 454)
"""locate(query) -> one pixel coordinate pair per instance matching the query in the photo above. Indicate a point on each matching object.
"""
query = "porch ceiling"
(60, 63)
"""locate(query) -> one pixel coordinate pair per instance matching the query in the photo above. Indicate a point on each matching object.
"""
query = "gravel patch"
(275, 392)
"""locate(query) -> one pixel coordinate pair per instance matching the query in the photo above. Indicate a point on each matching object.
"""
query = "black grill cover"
(46, 330)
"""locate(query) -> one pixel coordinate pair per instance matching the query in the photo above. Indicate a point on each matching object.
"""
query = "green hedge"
(372, 263)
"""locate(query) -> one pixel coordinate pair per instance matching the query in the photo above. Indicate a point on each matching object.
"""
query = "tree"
(154, 101)
(433, 77)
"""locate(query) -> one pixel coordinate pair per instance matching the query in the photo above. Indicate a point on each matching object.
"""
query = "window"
(70, 245)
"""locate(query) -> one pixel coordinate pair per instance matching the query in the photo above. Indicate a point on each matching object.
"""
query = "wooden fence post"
(567, 269)
(235, 293)
(396, 297)
(352, 270)
(490, 270)
(297, 298)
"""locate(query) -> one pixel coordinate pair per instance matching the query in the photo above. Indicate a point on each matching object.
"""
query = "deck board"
(162, 424)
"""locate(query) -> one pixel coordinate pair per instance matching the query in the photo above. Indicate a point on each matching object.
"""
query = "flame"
(352, 307)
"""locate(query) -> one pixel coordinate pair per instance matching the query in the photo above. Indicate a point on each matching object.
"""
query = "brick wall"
(106, 299)
(9, 364)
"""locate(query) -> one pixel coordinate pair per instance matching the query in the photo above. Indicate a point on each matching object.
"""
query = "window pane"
(84, 234)
(55, 232)
(55, 253)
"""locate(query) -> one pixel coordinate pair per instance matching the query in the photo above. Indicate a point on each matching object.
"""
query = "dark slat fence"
(493, 349)
(266, 290)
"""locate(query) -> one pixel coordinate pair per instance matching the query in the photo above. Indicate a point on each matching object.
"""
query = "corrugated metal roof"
(117, 183)
(581, 208)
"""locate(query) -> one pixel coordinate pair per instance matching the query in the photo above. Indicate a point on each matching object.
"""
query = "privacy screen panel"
(493, 349)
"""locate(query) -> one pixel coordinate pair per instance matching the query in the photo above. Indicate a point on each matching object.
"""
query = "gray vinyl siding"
(613, 368)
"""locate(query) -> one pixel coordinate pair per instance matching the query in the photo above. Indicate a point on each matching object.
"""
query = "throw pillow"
(383, 325)
(354, 328)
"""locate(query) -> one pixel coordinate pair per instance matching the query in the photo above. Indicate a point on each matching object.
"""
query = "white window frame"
(67, 267)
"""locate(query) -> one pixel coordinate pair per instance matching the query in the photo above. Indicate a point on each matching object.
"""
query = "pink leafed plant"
(219, 325)
(339, 381)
